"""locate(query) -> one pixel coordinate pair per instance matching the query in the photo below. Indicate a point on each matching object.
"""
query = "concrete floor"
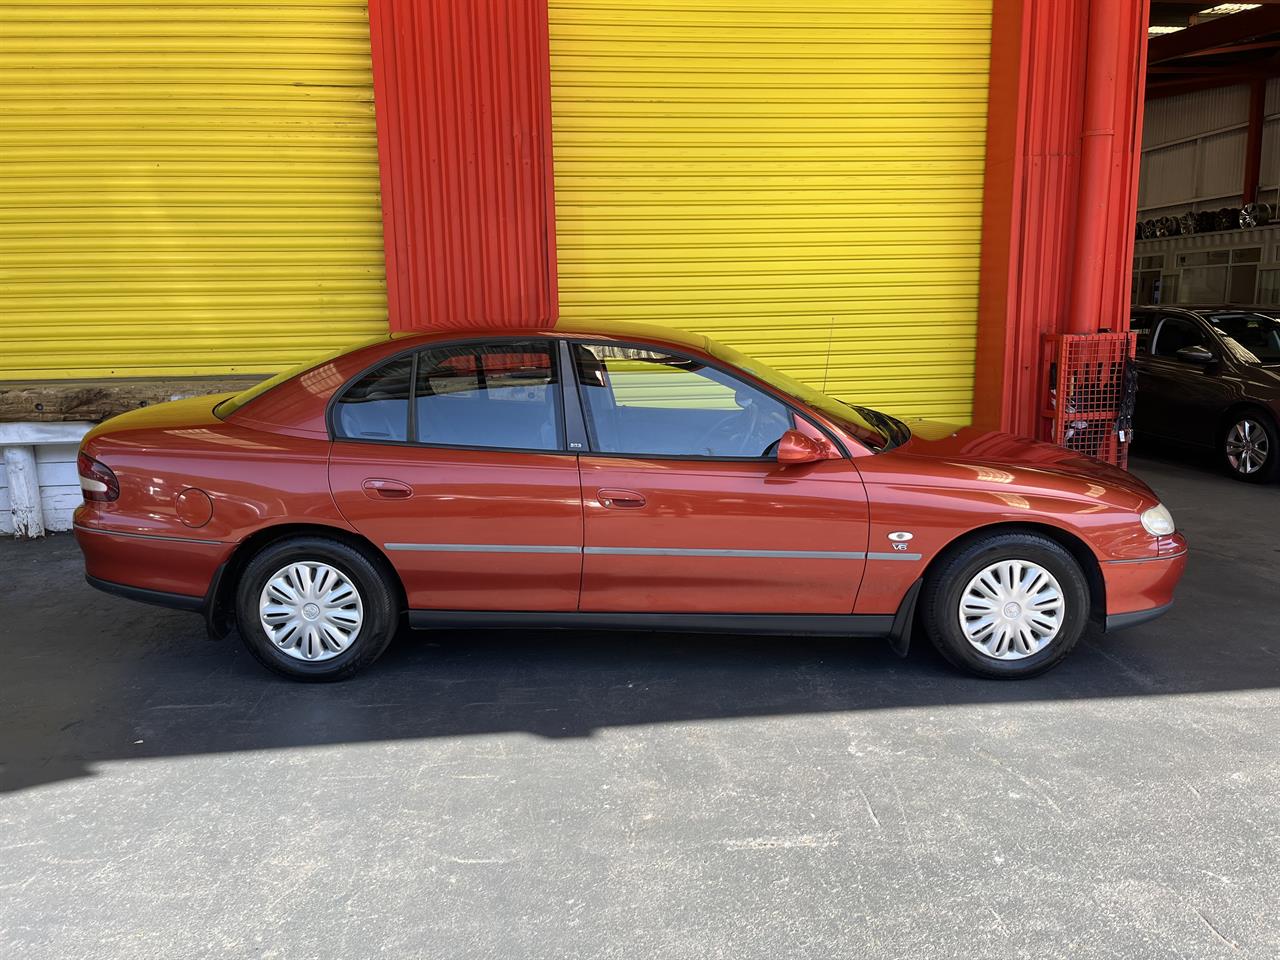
(604, 796)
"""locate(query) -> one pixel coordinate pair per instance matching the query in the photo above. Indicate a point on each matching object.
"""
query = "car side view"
(1209, 377)
(611, 476)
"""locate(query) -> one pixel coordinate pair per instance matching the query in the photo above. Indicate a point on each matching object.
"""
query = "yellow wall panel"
(185, 188)
(801, 181)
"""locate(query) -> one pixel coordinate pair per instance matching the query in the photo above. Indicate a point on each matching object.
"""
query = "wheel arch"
(1236, 409)
(1069, 541)
(220, 606)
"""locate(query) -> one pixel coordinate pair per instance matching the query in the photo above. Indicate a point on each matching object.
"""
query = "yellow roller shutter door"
(801, 181)
(185, 188)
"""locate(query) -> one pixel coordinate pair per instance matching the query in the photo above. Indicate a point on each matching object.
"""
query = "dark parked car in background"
(1210, 377)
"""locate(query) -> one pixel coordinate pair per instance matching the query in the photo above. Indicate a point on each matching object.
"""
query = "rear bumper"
(171, 571)
(1140, 590)
(175, 601)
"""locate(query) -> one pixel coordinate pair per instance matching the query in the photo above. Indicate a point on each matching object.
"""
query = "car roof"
(1203, 308)
(578, 329)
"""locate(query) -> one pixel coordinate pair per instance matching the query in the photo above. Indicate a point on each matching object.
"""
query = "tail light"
(96, 479)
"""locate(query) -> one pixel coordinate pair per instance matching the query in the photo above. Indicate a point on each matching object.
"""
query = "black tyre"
(315, 609)
(1007, 605)
(1249, 446)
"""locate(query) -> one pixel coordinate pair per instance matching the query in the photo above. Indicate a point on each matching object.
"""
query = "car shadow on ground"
(90, 678)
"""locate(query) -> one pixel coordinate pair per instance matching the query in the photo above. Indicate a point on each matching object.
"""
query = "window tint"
(645, 402)
(1173, 334)
(377, 406)
(1140, 325)
(1258, 335)
(489, 395)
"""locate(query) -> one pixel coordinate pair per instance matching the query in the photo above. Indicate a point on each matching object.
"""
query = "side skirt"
(799, 625)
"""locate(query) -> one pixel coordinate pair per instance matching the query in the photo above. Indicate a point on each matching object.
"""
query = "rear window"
(376, 407)
(501, 395)
(495, 395)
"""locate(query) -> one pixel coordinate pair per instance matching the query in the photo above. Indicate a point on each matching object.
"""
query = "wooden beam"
(51, 401)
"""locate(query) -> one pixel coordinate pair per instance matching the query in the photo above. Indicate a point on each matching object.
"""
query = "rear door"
(686, 508)
(470, 490)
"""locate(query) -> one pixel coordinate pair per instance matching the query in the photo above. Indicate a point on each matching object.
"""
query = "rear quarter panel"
(253, 480)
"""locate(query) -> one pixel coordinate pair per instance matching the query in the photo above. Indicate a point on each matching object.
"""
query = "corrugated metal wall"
(803, 182)
(1193, 150)
(185, 188)
(465, 148)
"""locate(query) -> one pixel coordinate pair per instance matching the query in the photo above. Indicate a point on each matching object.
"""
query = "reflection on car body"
(601, 476)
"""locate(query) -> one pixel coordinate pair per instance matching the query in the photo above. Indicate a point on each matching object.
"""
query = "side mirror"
(794, 447)
(1197, 354)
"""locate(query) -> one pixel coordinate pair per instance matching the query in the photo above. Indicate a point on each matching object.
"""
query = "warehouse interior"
(1208, 220)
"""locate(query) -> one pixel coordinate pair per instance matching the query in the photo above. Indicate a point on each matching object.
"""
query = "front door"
(1177, 399)
(470, 491)
(686, 508)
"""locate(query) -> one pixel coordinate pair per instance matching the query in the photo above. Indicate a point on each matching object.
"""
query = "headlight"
(1158, 521)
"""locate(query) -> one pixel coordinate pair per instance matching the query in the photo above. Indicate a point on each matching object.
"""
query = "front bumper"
(1141, 590)
(1119, 621)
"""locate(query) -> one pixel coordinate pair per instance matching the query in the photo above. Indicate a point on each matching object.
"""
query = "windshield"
(230, 405)
(1252, 337)
(877, 430)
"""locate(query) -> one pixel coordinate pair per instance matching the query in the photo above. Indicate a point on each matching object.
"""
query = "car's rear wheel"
(1006, 605)
(315, 609)
(1249, 446)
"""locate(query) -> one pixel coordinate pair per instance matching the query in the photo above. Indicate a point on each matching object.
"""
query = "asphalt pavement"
(512, 795)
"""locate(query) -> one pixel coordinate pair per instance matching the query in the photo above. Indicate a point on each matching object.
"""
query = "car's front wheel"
(1249, 447)
(315, 609)
(1006, 605)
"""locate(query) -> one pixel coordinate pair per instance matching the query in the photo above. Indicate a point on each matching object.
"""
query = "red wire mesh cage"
(1091, 391)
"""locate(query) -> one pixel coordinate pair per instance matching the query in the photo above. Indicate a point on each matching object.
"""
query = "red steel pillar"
(463, 105)
(1063, 139)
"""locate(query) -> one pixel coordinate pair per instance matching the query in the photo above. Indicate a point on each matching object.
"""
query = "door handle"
(376, 489)
(622, 499)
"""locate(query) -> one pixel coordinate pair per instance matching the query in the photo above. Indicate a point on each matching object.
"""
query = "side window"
(1140, 324)
(1173, 334)
(645, 402)
(503, 395)
(377, 406)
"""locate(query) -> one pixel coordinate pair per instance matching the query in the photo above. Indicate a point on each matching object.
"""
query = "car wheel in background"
(1006, 605)
(1249, 446)
(315, 609)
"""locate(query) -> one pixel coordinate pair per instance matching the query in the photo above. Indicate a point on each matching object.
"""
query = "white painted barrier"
(39, 485)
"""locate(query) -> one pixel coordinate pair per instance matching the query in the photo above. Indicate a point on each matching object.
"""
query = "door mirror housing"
(794, 447)
(1196, 354)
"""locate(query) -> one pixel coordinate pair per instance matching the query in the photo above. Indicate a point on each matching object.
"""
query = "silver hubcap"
(1247, 446)
(311, 611)
(1011, 610)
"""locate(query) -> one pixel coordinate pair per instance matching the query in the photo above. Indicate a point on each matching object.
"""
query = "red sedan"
(612, 476)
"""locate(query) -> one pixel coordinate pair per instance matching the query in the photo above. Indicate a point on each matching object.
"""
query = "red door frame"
(1063, 144)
